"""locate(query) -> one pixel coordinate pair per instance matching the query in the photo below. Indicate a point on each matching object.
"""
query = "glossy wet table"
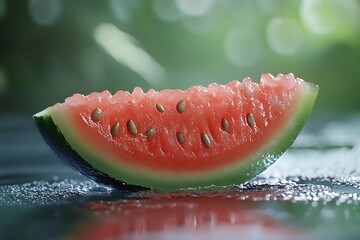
(312, 192)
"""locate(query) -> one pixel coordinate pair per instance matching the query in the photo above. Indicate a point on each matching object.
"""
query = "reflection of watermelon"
(182, 218)
(173, 139)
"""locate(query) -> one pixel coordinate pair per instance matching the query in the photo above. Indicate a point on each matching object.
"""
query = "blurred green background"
(50, 49)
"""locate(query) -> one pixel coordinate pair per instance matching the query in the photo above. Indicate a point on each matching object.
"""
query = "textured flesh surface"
(273, 103)
(270, 106)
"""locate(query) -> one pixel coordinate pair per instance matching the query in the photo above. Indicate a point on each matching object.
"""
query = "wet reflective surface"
(312, 192)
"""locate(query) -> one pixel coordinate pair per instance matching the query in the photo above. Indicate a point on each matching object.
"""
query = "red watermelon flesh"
(171, 139)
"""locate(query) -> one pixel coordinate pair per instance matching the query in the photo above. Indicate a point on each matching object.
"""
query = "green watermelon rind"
(239, 172)
(62, 148)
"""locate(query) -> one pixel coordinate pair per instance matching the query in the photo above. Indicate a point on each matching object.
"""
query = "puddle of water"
(320, 190)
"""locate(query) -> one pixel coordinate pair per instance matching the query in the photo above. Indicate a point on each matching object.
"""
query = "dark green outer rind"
(239, 172)
(56, 140)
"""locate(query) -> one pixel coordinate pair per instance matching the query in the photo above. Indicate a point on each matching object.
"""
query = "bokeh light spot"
(272, 6)
(125, 50)
(45, 12)
(166, 10)
(124, 9)
(194, 8)
(284, 36)
(320, 16)
(197, 24)
(242, 48)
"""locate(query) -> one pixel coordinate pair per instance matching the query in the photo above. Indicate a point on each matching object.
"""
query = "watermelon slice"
(219, 135)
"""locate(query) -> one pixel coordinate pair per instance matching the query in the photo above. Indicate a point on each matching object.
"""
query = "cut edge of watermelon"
(238, 172)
